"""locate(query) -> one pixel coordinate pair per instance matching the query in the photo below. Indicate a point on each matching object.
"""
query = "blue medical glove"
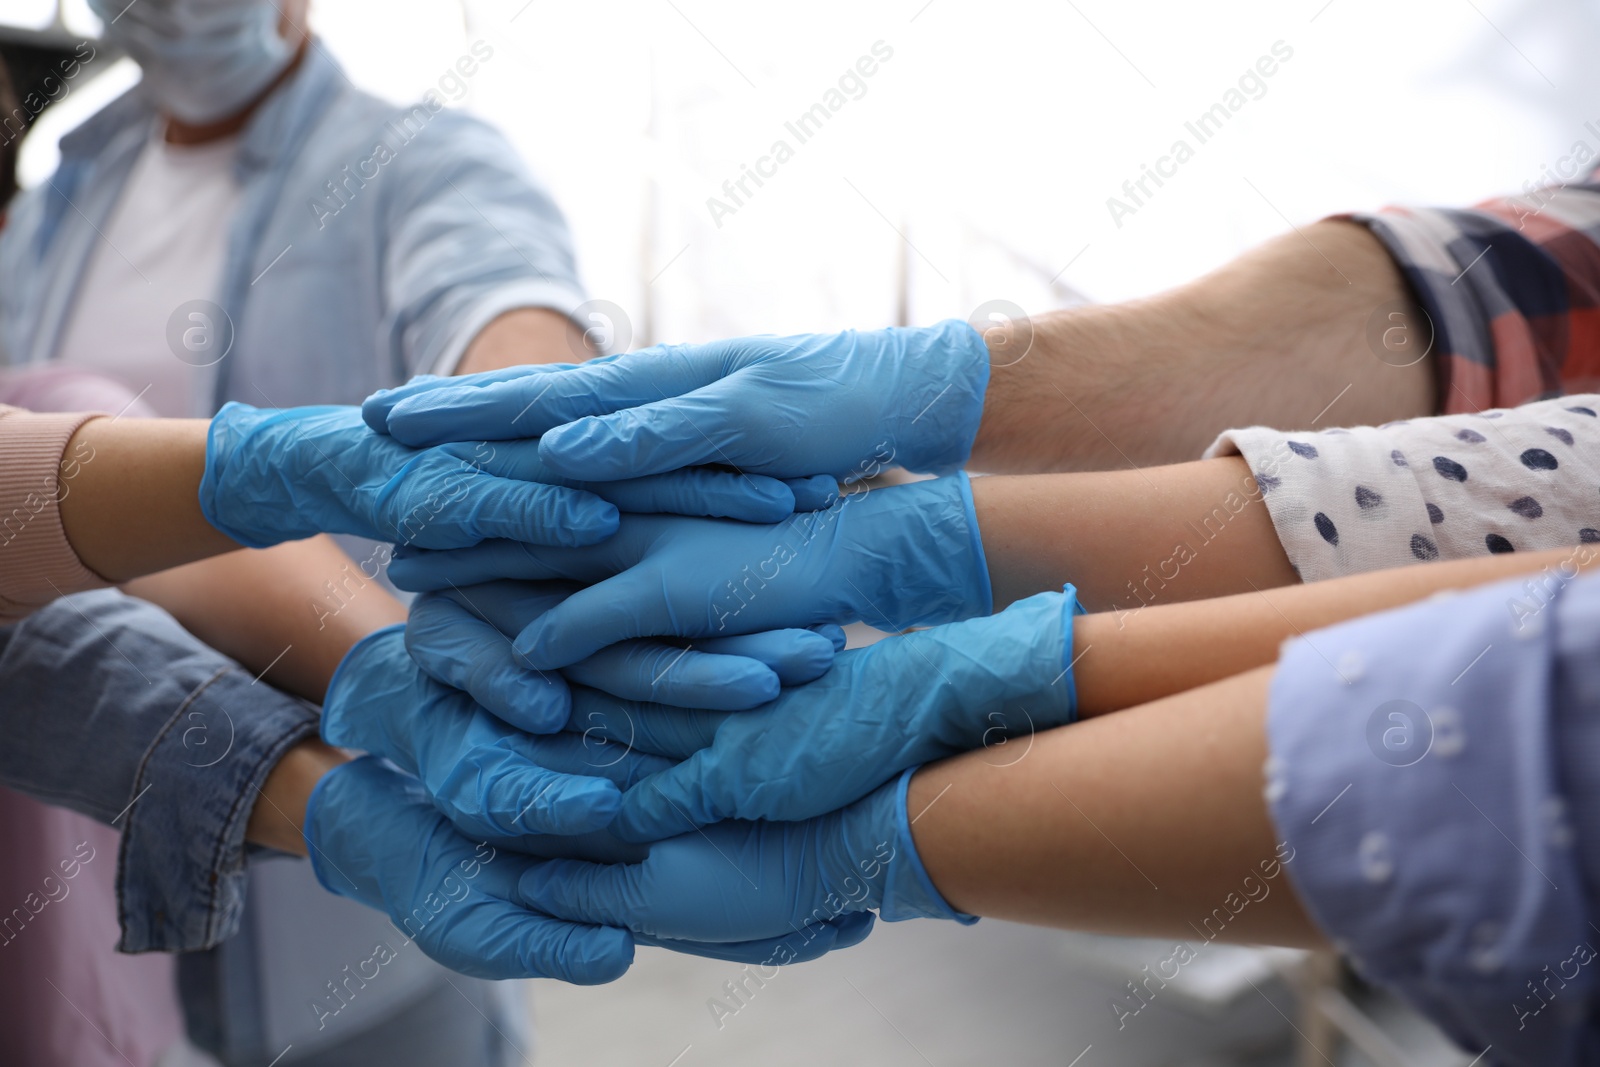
(847, 404)
(374, 837)
(743, 880)
(894, 557)
(797, 947)
(275, 476)
(896, 704)
(487, 777)
(462, 637)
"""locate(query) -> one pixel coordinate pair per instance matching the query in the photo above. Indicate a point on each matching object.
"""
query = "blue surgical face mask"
(203, 60)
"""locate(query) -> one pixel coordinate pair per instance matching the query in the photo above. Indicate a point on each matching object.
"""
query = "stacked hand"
(274, 476)
(374, 836)
(847, 404)
(663, 670)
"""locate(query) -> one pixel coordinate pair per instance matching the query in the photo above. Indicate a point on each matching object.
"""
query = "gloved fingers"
(833, 632)
(853, 928)
(663, 673)
(702, 491)
(419, 570)
(602, 894)
(795, 656)
(814, 493)
(813, 941)
(479, 506)
(599, 846)
(591, 754)
(671, 733)
(671, 803)
(529, 405)
(631, 604)
(501, 792)
(456, 647)
(422, 571)
(508, 604)
(682, 431)
(376, 408)
(485, 933)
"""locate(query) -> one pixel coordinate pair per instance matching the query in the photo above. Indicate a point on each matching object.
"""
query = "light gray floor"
(917, 994)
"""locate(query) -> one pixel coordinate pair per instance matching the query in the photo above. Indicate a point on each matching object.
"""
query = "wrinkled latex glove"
(373, 836)
(462, 637)
(899, 703)
(893, 557)
(743, 880)
(487, 777)
(847, 404)
(274, 476)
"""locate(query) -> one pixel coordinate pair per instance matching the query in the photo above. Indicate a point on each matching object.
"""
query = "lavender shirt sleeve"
(1437, 771)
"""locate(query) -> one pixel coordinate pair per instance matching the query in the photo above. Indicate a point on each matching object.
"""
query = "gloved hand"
(896, 704)
(373, 837)
(743, 880)
(462, 637)
(847, 404)
(274, 476)
(893, 557)
(487, 777)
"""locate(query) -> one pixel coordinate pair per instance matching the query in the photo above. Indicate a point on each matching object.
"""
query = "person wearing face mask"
(247, 225)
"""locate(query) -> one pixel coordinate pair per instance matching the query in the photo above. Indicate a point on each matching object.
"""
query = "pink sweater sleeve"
(37, 564)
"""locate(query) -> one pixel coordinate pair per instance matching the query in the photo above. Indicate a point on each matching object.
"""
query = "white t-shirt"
(136, 317)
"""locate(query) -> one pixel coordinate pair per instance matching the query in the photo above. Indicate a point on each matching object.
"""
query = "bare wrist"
(278, 818)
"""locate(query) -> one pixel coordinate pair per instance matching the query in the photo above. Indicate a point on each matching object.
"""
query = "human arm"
(989, 683)
(1146, 382)
(1276, 337)
(146, 494)
(1123, 659)
(1293, 506)
(117, 712)
(1169, 793)
(1441, 851)
(525, 335)
(1369, 319)
(288, 613)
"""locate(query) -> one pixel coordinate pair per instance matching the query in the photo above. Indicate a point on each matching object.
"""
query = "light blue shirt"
(372, 242)
(1436, 772)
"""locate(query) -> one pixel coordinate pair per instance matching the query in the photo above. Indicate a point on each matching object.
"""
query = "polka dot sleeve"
(1452, 487)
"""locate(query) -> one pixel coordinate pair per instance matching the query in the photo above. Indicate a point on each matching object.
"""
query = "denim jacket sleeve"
(116, 711)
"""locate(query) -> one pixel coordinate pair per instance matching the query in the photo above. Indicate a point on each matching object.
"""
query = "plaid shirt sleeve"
(1512, 289)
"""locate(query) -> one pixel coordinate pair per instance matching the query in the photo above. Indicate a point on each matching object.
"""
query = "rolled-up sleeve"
(1450, 487)
(37, 563)
(117, 712)
(1510, 289)
(1436, 771)
(473, 236)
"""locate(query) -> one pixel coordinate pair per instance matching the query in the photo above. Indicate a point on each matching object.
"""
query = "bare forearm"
(1279, 337)
(1126, 659)
(133, 506)
(526, 335)
(1140, 823)
(1129, 538)
(292, 611)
